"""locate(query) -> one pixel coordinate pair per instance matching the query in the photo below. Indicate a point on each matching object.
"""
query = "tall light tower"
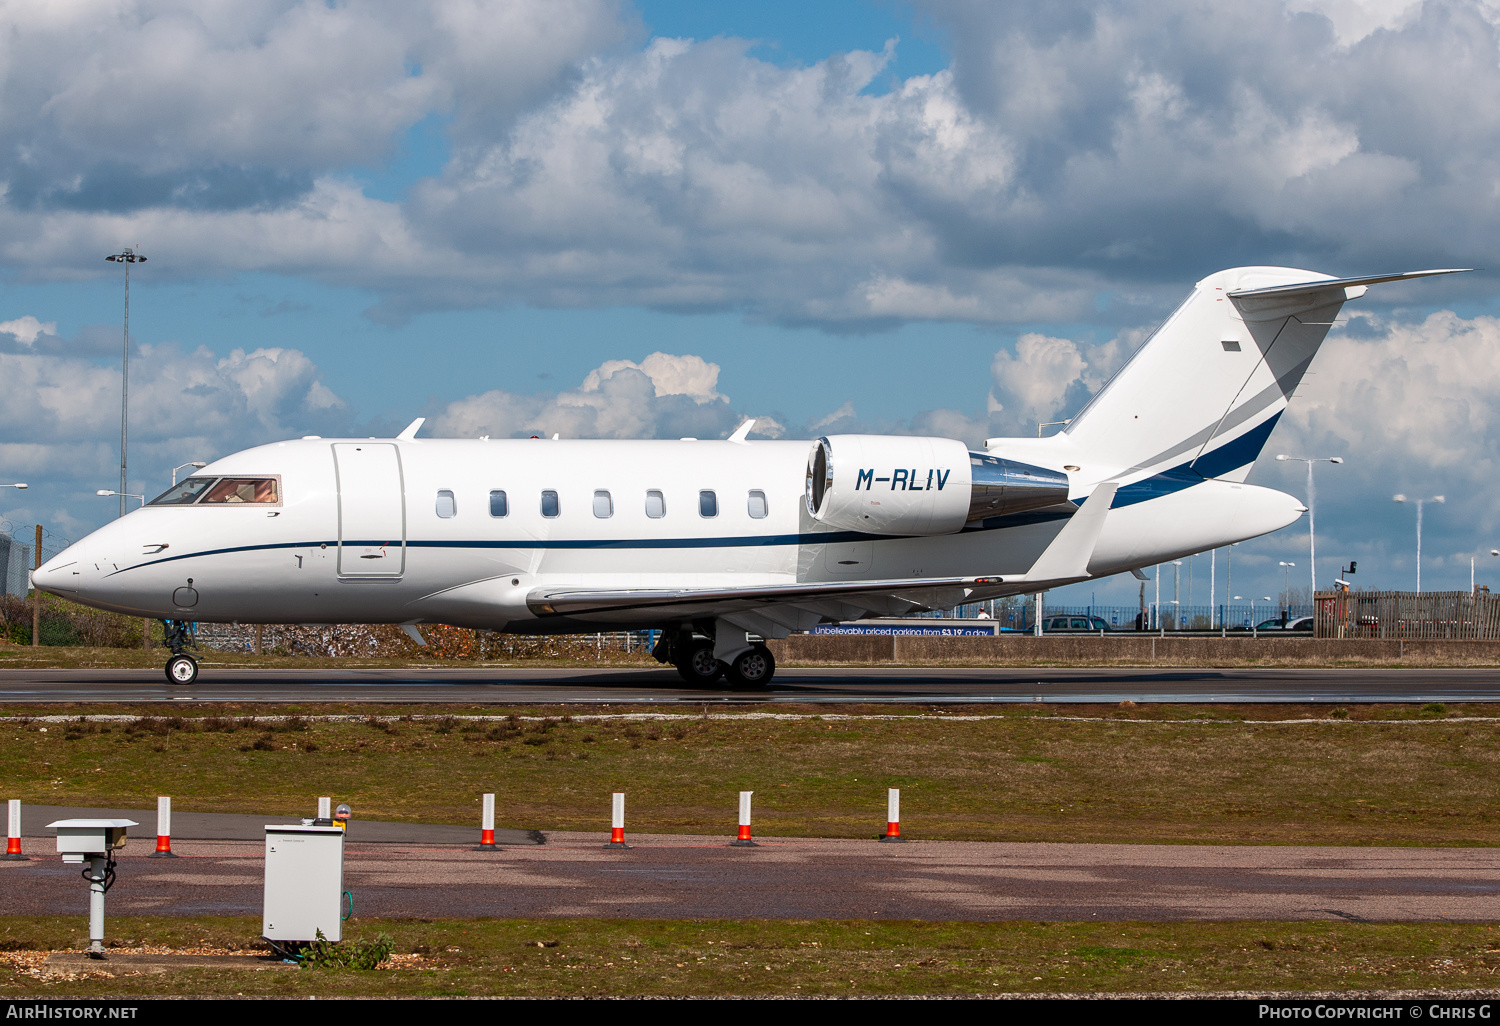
(1312, 542)
(126, 257)
(1420, 503)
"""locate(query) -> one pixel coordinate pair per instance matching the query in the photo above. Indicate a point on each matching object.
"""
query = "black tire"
(698, 665)
(182, 669)
(753, 669)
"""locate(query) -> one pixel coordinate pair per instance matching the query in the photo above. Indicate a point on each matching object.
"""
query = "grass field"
(1236, 775)
(644, 957)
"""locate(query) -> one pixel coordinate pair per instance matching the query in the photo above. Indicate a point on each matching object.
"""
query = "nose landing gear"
(181, 668)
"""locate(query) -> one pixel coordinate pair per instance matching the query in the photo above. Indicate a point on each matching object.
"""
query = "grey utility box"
(304, 883)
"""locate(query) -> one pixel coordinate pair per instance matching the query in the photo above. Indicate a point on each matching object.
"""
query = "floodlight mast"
(127, 257)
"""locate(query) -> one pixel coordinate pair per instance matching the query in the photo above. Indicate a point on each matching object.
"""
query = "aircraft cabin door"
(372, 509)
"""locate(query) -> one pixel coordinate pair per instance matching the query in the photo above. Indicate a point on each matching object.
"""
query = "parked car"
(1301, 623)
(1074, 625)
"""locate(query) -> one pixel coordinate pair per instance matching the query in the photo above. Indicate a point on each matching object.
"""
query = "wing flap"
(913, 592)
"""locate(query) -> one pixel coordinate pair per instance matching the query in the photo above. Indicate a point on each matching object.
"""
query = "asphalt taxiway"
(510, 686)
(694, 877)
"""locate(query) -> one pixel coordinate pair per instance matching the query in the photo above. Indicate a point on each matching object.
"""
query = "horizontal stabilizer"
(1313, 286)
(1067, 558)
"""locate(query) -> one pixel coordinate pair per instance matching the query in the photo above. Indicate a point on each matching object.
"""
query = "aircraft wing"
(775, 610)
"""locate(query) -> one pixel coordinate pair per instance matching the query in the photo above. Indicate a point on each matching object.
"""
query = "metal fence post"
(36, 595)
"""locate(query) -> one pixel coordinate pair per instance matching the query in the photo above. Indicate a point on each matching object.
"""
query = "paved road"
(576, 875)
(231, 826)
(893, 684)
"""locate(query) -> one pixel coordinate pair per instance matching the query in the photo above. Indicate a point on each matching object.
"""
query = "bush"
(325, 954)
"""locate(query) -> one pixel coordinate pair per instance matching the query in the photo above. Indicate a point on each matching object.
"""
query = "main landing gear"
(181, 668)
(693, 656)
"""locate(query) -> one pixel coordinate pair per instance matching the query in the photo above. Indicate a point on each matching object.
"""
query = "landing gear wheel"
(182, 669)
(698, 666)
(752, 669)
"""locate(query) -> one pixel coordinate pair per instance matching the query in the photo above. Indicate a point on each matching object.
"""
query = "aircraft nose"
(60, 574)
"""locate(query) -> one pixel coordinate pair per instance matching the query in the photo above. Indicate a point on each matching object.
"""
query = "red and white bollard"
(617, 822)
(487, 826)
(13, 833)
(893, 815)
(163, 829)
(744, 841)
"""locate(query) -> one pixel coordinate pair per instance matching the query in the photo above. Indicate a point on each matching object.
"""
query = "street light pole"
(123, 495)
(1472, 589)
(126, 257)
(196, 465)
(1420, 502)
(1312, 542)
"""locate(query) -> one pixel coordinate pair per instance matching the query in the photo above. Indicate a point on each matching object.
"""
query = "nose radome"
(60, 574)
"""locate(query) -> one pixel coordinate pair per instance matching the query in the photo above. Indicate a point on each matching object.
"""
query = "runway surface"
(491, 686)
(674, 877)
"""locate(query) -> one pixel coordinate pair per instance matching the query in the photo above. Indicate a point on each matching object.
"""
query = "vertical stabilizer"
(1200, 398)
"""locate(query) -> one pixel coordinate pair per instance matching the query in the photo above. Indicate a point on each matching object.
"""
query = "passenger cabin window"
(498, 507)
(243, 489)
(656, 505)
(549, 504)
(604, 506)
(708, 504)
(757, 505)
(447, 506)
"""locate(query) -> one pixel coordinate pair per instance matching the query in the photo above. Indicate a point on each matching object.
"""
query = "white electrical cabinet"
(304, 883)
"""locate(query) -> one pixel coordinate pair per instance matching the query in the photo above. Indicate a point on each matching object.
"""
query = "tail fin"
(1200, 398)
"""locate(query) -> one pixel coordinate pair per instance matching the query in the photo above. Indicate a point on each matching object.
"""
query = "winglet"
(411, 430)
(741, 432)
(1067, 558)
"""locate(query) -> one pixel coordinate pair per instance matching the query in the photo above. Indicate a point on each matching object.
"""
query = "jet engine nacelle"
(896, 484)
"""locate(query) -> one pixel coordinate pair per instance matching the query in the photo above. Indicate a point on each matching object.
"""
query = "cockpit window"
(184, 493)
(243, 489)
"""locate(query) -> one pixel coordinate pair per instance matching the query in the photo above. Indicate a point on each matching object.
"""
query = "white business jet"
(717, 543)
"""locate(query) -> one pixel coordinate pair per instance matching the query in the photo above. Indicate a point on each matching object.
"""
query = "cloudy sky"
(619, 219)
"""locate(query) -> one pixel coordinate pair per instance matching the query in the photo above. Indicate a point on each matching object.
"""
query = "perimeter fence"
(1456, 615)
(1168, 617)
(386, 641)
(59, 622)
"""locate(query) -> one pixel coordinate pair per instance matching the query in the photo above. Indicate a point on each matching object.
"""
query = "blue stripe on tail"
(1230, 456)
